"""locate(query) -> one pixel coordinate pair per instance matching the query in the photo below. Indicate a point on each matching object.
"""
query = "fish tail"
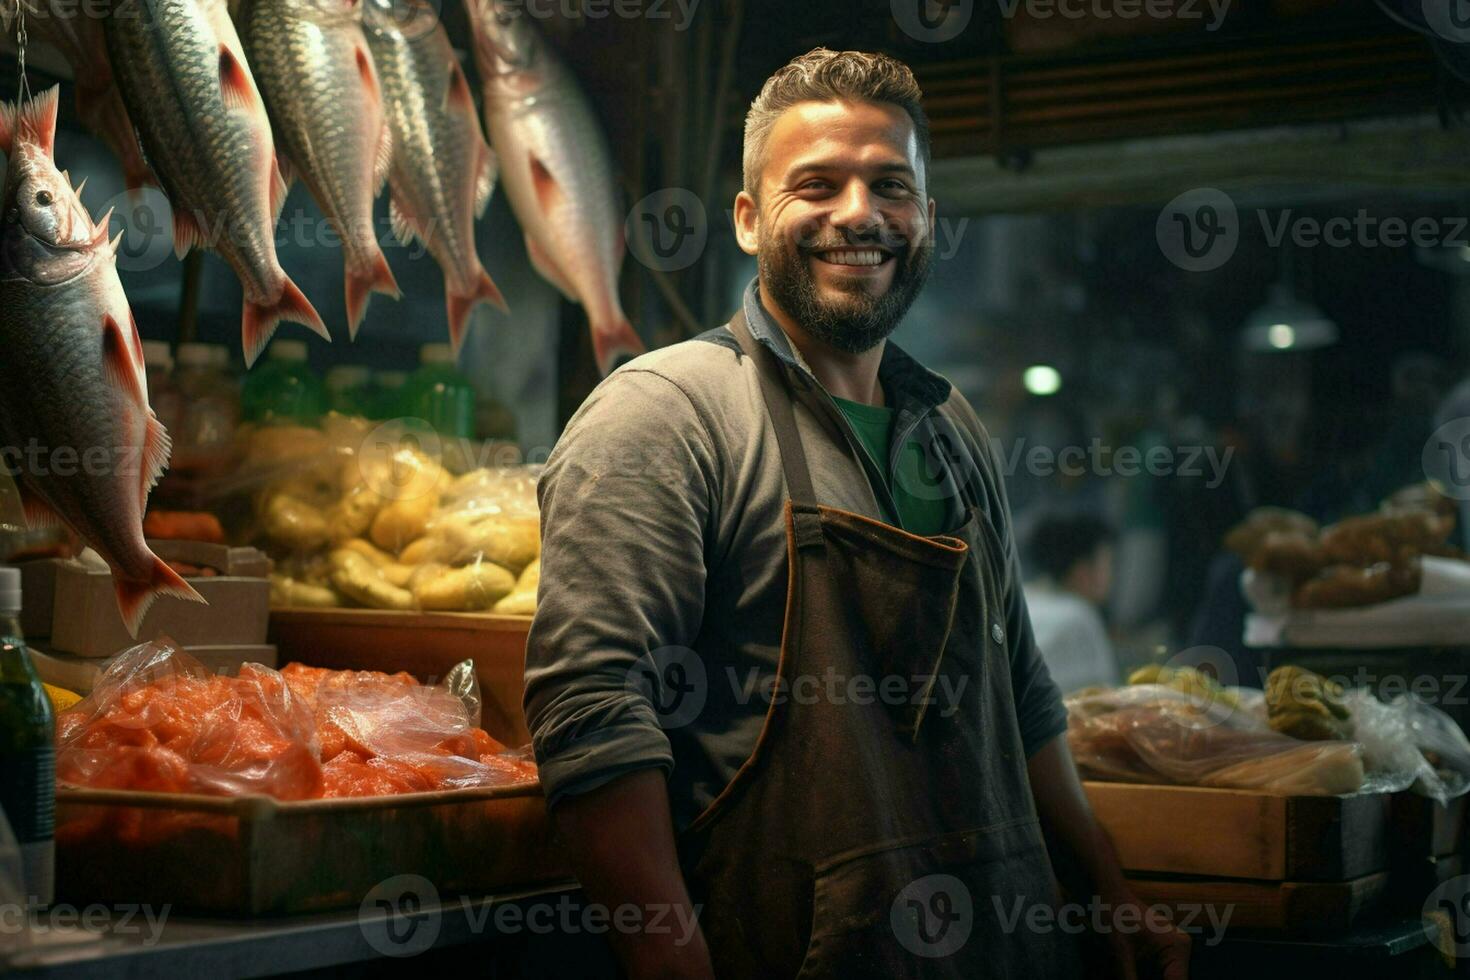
(612, 341)
(462, 304)
(134, 598)
(375, 277)
(259, 321)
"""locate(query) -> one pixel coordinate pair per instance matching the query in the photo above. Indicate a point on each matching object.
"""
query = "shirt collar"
(906, 381)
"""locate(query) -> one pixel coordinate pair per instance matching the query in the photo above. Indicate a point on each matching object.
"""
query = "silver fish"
(182, 71)
(443, 172)
(324, 97)
(73, 392)
(557, 169)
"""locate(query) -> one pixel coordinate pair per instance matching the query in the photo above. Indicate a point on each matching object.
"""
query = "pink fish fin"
(614, 341)
(460, 307)
(258, 324)
(486, 173)
(7, 127)
(187, 233)
(123, 370)
(405, 225)
(157, 447)
(280, 187)
(375, 278)
(457, 94)
(549, 270)
(35, 122)
(285, 168)
(368, 72)
(134, 599)
(136, 176)
(549, 193)
(39, 514)
(234, 83)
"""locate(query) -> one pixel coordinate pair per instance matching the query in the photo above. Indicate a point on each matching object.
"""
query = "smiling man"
(782, 671)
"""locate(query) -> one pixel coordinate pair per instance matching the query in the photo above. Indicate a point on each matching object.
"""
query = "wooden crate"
(1225, 833)
(1295, 906)
(424, 644)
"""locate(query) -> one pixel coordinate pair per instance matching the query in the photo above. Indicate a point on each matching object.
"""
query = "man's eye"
(815, 185)
(893, 186)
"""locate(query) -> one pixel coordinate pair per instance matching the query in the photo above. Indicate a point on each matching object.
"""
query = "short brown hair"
(821, 75)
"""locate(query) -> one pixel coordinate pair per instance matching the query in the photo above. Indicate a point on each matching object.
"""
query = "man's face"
(842, 226)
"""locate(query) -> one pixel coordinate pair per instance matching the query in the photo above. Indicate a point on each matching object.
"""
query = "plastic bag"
(158, 721)
(1409, 744)
(1151, 733)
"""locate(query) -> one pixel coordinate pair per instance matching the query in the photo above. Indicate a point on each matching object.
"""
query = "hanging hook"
(23, 85)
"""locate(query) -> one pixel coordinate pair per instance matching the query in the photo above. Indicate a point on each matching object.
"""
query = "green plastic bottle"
(283, 389)
(440, 395)
(387, 394)
(27, 750)
(349, 390)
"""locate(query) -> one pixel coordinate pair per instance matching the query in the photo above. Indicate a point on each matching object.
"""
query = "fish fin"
(119, 364)
(134, 599)
(549, 270)
(610, 343)
(457, 95)
(285, 168)
(259, 321)
(7, 127)
(35, 121)
(187, 233)
(234, 83)
(405, 226)
(157, 447)
(39, 514)
(487, 172)
(368, 72)
(549, 194)
(280, 187)
(460, 307)
(376, 278)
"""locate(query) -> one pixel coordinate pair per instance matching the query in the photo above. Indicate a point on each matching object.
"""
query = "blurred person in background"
(1070, 559)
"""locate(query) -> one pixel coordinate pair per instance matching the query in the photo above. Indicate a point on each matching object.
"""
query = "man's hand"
(620, 840)
(1136, 946)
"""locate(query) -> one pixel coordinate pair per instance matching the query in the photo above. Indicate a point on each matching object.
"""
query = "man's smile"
(854, 257)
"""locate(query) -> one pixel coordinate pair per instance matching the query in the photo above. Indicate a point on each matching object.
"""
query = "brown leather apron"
(883, 826)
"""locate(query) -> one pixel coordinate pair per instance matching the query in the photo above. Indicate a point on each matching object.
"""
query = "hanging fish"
(443, 172)
(557, 170)
(73, 391)
(326, 102)
(183, 75)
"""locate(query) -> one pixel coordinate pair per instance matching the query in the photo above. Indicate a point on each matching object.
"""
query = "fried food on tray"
(1306, 705)
(1347, 586)
(1187, 680)
(1249, 534)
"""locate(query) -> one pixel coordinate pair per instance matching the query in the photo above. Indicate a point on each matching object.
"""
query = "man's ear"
(747, 223)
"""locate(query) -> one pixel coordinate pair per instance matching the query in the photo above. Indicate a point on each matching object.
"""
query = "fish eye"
(44, 198)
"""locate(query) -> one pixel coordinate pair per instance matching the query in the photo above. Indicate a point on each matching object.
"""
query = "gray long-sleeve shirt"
(664, 564)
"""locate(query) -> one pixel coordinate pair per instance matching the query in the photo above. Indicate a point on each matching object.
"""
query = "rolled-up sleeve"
(626, 501)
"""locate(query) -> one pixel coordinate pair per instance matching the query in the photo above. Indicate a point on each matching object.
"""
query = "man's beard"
(859, 321)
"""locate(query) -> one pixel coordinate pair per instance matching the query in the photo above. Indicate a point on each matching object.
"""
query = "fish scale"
(323, 95)
(443, 172)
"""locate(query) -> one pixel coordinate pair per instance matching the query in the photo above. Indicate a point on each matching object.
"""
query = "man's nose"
(857, 209)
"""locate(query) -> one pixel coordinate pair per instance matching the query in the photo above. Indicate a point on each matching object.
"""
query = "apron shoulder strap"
(781, 407)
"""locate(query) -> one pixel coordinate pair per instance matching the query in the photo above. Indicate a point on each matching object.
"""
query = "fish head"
(505, 35)
(46, 235)
(403, 19)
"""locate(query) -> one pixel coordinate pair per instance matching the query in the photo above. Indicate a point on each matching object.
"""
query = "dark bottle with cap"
(27, 749)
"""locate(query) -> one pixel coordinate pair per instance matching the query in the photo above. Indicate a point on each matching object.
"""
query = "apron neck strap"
(780, 406)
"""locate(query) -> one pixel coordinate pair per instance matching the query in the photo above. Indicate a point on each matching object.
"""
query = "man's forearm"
(1082, 854)
(620, 840)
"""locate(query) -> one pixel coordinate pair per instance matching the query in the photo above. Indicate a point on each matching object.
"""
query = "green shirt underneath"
(874, 428)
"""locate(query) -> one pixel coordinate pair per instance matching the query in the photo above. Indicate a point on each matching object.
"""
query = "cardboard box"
(86, 621)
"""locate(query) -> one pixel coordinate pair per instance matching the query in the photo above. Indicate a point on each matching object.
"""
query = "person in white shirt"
(1069, 560)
